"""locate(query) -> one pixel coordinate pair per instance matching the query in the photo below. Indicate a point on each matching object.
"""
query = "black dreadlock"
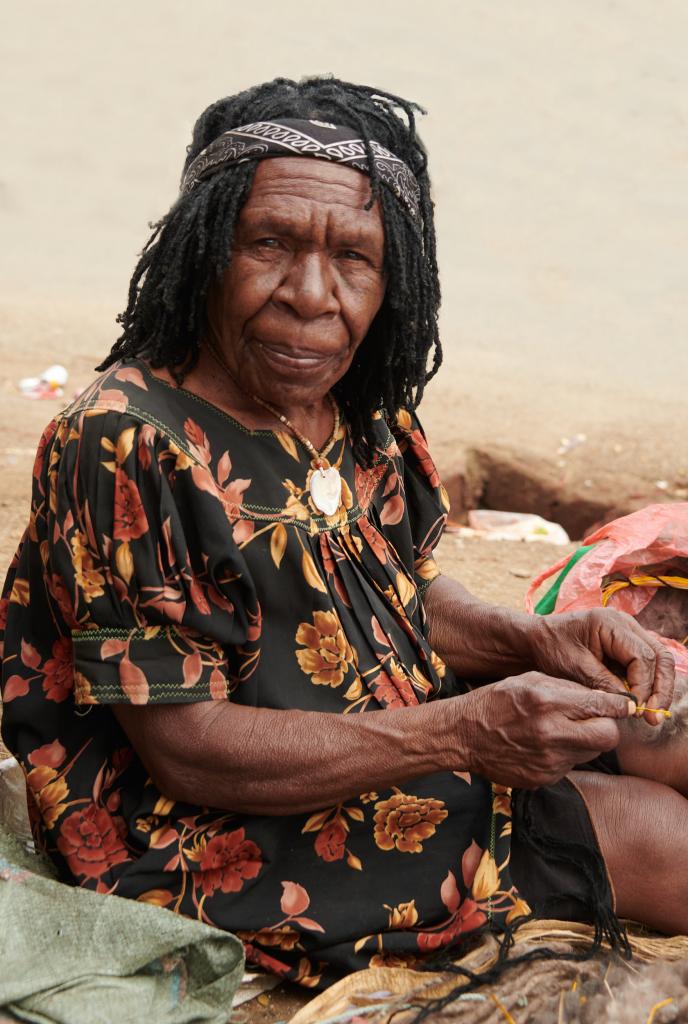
(191, 245)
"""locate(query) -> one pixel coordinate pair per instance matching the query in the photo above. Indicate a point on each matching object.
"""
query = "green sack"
(71, 956)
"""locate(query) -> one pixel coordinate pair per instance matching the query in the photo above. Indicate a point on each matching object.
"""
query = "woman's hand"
(580, 646)
(531, 730)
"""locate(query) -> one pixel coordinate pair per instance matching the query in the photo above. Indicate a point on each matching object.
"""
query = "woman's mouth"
(292, 359)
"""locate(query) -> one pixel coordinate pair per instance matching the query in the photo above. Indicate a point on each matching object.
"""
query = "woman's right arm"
(260, 761)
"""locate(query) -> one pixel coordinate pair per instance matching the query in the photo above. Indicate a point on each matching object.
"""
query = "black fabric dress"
(171, 556)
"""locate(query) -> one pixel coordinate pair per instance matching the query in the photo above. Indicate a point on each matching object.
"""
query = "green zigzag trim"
(354, 514)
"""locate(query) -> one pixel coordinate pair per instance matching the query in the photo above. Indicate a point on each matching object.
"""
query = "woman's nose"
(309, 287)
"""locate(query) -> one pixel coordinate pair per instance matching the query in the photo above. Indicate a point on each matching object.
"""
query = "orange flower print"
(49, 793)
(50, 755)
(393, 598)
(376, 540)
(393, 690)
(228, 860)
(330, 841)
(366, 482)
(438, 665)
(48, 790)
(463, 916)
(285, 937)
(486, 878)
(58, 680)
(404, 822)
(60, 595)
(407, 960)
(404, 915)
(130, 521)
(87, 579)
(403, 418)
(328, 654)
(467, 918)
(82, 690)
(519, 909)
(45, 440)
(145, 444)
(419, 447)
(91, 842)
(501, 800)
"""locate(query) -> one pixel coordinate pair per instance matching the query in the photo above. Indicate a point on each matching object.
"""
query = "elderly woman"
(229, 560)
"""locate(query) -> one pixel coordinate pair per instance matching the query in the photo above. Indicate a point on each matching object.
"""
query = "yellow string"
(500, 1006)
(641, 707)
(611, 589)
(643, 580)
(655, 1008)
(655, 711)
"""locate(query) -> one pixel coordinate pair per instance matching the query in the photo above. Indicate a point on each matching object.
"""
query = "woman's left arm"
(486, 642)
(477, 640)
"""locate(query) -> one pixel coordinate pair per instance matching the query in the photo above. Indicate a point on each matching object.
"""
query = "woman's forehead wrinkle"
(298, 215)
(334, 193)
(298, 169)
(314, 199)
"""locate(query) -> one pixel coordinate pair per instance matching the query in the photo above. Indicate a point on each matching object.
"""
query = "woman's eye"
(351, 254)
(268, 243)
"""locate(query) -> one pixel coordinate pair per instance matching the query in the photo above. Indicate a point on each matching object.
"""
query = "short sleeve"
(142, 565)
(426, 501)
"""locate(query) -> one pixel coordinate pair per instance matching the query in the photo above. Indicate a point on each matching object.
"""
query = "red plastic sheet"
(635, 545)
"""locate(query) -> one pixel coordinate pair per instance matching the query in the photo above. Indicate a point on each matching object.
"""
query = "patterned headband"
(290, 137)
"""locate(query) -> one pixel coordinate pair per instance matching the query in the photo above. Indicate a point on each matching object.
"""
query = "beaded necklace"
(325, 483)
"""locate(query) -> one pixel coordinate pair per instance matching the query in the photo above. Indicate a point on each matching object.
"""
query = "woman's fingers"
(648, 666)
(593, 705)
(650, 669)
(592, 672)
(664, 680)
(659, 700)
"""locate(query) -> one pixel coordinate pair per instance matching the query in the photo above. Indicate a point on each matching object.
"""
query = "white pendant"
(326, 490)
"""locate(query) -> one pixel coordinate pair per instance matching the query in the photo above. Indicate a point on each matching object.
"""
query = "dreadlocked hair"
(190, 248)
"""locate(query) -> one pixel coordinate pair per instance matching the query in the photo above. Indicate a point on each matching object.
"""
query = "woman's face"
(304, 283)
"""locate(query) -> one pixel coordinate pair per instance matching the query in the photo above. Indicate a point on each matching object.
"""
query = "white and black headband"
(292, 137)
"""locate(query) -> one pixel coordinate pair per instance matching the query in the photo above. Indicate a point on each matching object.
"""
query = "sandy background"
(558, 140)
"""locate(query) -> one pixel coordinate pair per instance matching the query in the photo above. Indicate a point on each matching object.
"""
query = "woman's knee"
(642, 831)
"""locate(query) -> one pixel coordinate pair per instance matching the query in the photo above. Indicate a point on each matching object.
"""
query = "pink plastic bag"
(653, 536)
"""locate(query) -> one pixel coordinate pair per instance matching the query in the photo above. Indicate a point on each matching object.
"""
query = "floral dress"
(172, 555)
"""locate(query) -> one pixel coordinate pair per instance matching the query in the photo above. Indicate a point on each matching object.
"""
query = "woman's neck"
(207, 380)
